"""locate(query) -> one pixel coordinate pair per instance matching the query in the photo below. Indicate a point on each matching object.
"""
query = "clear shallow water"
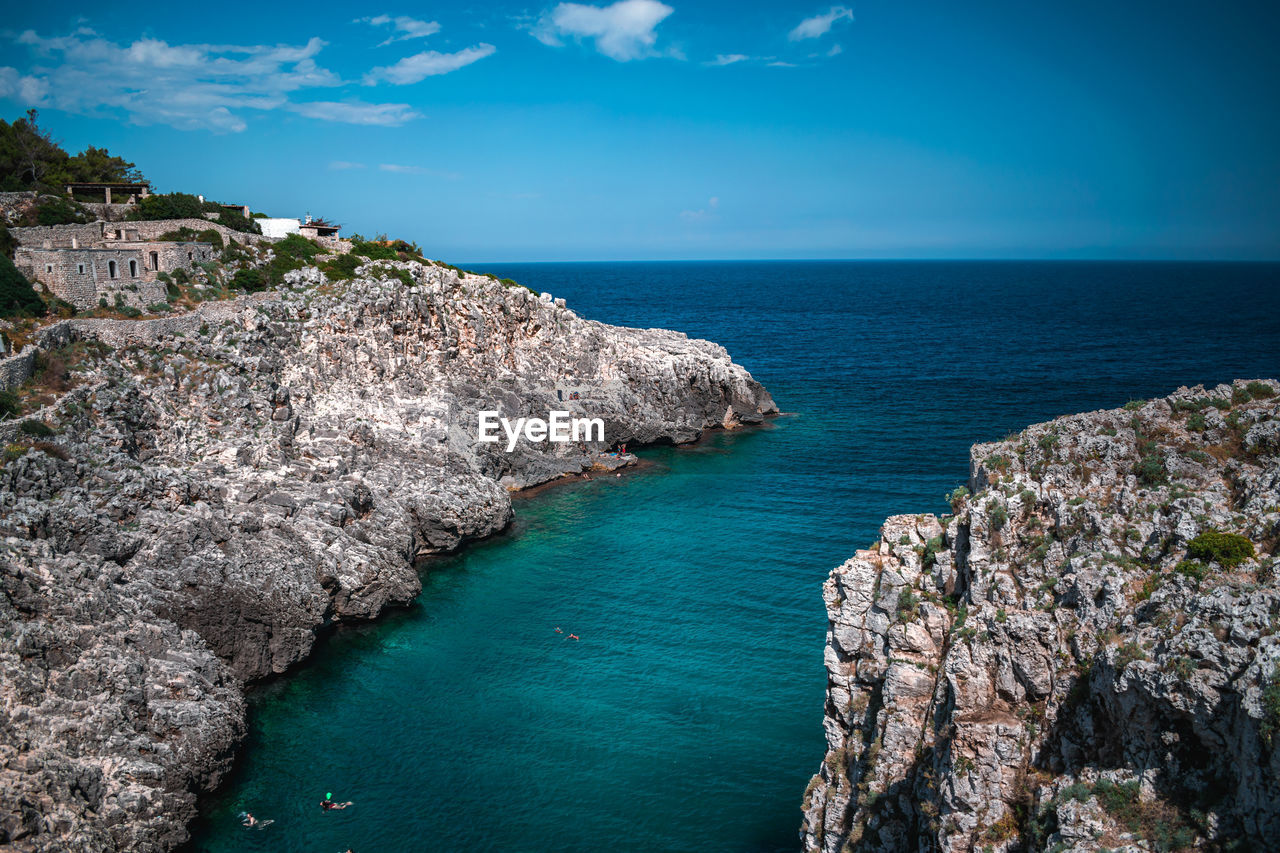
(689, 715)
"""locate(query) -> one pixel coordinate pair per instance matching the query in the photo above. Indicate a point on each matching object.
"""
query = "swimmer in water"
(249, 820)
(329, 805)
(574, 637)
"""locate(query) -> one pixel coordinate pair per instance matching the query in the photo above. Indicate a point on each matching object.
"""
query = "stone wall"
(58, 236)
(149, 230)
(17, 369)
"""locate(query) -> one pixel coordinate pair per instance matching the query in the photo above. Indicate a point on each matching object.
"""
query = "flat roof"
(89, 185)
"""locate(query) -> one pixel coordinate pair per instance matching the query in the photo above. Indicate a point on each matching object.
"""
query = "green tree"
(96, 165)
(27, 153)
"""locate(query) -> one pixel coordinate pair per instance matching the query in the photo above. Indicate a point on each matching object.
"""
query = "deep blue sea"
(689, 715)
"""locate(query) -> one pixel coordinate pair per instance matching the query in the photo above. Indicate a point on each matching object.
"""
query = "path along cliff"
(1083, 656)
(220, 486)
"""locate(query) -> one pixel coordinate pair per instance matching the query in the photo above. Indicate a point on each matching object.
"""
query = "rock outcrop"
(222, 486)
(1083, 656)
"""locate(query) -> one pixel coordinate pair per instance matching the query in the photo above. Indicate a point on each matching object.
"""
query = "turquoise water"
(688, 716)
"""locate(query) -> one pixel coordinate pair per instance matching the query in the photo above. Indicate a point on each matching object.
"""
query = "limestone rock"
(1049, 667)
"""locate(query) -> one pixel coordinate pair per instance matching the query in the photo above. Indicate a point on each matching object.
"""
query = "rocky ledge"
(203, 494)
(1083, 656)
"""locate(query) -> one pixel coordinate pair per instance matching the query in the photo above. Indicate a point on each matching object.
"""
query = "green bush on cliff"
(61, 211)
(1226, 549)
(167, 206)
(249, 280)
(17, 296)
(9, 405)
(1271, 707)
(342, 267)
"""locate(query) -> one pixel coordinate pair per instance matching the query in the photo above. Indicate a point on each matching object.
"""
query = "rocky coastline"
(205, 493)
(1082, 656)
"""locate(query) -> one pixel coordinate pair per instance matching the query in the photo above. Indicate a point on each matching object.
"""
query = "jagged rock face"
(1048, 668)
(237, 479)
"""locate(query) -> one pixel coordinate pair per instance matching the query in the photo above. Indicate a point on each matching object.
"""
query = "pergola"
(141, 189)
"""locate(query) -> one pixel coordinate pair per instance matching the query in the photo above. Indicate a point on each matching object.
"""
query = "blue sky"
(678, 129)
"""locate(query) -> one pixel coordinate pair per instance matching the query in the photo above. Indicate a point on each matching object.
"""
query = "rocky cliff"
(219, 487)
(1083, 656)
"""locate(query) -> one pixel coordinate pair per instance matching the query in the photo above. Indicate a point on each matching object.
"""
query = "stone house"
(87, 264)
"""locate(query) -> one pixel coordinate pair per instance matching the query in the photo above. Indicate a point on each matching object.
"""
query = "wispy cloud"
(820, 25)
(705, 214)
(727, 59)
(404, 28)
(339, 165)
(413, 69)
(418, 170)
(780, 64)
(356, 112)
(624, 30)
(187, 86)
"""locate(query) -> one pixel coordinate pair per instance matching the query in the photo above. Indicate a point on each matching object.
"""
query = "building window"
(133, 269)
(80, 268)
(155, 260)
(48, 267)
(190, 256)
(111, 269)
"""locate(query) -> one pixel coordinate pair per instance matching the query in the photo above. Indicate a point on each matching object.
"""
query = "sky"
(675, 129)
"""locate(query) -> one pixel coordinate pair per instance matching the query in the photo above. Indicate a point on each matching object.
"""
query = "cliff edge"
(1083, 656)
(201, 494)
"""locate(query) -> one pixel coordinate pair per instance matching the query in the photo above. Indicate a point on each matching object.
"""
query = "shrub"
(9, 405)
(1150, 465)
(342, 267)
(172, 290)
(167, 206)
(1193, 569)
(297, 247)
(1226, 549)
(1259, 390)
(998, 515)
(957, 497)
(36, 428)
(61, 211)
(908, 605)
(159, 308)
(17, 296)
(1271, 707)
(249, 280)
(1134, 405)
(211, 235)
(236, 221)
(1196, 423)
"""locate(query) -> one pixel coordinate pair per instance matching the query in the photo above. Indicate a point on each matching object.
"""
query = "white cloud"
(413, 69)
(836, 50)
(339, 165)
(727, 59)
(405, 28)
(623, 31)
(820, 25)
(189, 86)
(418, 170)
(356, 112)
(706, 214)
(781, 64)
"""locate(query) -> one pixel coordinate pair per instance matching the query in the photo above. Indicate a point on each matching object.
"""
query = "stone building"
(89, 264)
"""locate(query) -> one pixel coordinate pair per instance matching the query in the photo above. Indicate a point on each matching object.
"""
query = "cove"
(688, 717)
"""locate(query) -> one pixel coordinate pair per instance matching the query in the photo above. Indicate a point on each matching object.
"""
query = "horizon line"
(1109, 260)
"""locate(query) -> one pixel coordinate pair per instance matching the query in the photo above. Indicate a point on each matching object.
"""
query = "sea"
(688, 714)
